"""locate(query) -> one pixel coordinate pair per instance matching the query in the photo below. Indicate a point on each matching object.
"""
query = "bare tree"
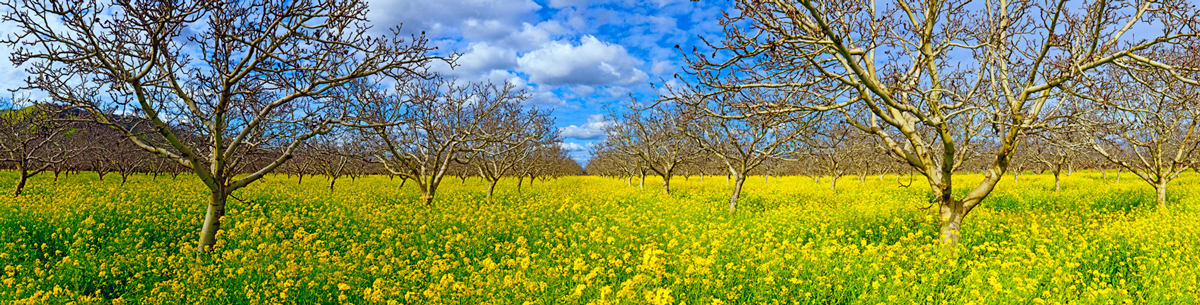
(32, 139)
(1145, 123)
(440, 121)
(655, 137)
(742, 142)
(513, 135)
(932, 74)
(245, 75)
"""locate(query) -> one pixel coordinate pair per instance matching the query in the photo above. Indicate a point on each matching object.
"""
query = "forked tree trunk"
(491, 188)
(737, 192)
(402, 181)
(666, 185)
(23, 176)
(427, 193)
(212, 221)
(1103, 174)
(519, 179)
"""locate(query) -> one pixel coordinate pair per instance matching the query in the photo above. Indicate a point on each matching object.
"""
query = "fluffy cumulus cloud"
(593, 130)
(591, 63)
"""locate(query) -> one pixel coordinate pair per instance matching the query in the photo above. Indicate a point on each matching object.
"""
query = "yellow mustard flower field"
(593, 240)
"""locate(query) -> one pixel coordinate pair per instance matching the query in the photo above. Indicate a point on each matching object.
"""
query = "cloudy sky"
(575, 56)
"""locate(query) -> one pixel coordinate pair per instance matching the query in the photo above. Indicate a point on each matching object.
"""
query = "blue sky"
(574, 56)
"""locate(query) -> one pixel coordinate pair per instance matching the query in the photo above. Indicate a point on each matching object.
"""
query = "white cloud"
(591, 63)
(482, 58)
(594, 129)
(572, 146)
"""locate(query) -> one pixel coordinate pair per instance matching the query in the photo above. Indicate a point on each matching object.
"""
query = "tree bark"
(833, 182)
(212, 221)
(737, 191)
(1057, 181)
(1161, 190)
(331, 181)
(666, 185)
(491, 189)
(642, 184)
(23, 177)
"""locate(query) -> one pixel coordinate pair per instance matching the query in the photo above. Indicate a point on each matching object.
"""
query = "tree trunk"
(331, 181)
(833, 182)
(402, 181)
(1161, 190)
(1057, 182)
(519, 179)
(427, 194)
(491, 188)
(1118, 175)
(666, 185)
(212, 221)
(23, 176)
(642, 184)
(737, 192)
(951, 221)
(1103, 174)
(300, 180)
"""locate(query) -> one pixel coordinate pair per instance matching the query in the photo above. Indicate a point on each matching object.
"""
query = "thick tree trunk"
(491, 189)
(21, 179)
(833, 182)
(642, 184)
(300, 180)
(1057, 182)
(331, 182)
(737, 192)
(666, 185)
(1160, 189)
(212, 221)
(428, 193)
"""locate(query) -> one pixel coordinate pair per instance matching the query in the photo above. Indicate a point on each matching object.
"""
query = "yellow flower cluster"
(592, 240)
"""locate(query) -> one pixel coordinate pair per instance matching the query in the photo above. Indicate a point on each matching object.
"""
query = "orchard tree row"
(934, 87)
(230, 91)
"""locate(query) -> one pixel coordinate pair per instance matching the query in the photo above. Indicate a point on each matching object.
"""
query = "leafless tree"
(512, 135)
(440, 122)
(244, 75)
(1146, 120)
(655, 137)
(32, 139)
(742, 143)
(934, 74)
